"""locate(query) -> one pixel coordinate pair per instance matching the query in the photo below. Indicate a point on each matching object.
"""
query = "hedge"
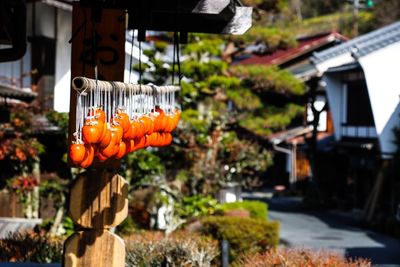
(257, 209)
(245, 235)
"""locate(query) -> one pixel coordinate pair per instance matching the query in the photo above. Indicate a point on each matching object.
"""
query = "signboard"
(98, 37)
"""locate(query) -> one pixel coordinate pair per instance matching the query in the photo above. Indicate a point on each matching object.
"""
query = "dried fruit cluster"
(102, 140)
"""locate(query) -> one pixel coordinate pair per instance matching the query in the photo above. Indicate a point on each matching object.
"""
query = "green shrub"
(30, 247)
(127, 227)
(245, 235)
(196, 206)
(257, 209)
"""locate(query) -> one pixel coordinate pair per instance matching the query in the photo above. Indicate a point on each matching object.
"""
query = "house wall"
(63, 61)
(335, 96)
(382, 72)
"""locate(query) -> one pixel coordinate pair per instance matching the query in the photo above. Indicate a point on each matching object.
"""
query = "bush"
(301, 257)
(179, 249)
(196, 206)
(245, 235)
(127, 227)
(30, 247)
(257, 209)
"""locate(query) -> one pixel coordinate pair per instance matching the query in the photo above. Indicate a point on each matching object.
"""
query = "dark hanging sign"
(12, 30)
(203, 16)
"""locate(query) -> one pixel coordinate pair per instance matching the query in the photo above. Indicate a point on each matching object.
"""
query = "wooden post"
(98, 197)
(98, 201)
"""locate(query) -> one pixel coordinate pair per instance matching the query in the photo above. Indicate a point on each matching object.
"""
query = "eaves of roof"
(8, 91)
(344, 68)
(362, 45)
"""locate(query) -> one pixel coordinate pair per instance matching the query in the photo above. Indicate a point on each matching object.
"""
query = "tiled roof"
(9, 91)
(362, 45)
(305, 45)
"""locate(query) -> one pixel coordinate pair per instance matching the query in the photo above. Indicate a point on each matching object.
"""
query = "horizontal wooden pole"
(83, 84)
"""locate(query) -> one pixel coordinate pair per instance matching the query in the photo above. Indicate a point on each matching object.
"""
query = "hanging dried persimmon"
(100, 157)
(115, 119)
(89, 156)
(117, 129)
(121, 150)
(105, 138)
(77, 153)
(90, 132)
(97, 113)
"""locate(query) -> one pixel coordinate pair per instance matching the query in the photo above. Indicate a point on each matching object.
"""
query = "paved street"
(322, 230)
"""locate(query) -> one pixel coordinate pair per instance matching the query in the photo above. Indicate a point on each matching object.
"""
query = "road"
(332, 231)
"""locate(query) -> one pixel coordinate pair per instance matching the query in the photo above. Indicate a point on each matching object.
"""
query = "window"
(359, 112)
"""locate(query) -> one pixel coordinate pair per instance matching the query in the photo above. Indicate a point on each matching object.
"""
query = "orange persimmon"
(77, 153)
(90, 132)
(88, 160)
(121, 150)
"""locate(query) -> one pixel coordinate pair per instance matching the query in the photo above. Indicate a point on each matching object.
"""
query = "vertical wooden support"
(98, 201)
(104, 41)
(98, 198)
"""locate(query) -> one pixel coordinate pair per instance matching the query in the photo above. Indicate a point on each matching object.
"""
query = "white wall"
(134, 75)
(382, 72)
(63, 61)
(45, 20)
(334, 92)
(323, 116)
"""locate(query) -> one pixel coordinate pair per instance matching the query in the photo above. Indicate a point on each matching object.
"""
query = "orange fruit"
(89, 155)
(77, 153)
(91, 133)
(121, 150)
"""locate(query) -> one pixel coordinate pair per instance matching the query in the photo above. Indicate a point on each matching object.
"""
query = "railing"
(358, 131)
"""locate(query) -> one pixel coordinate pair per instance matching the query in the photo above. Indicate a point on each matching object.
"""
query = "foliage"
(179, 249)
(55, 190)
(245, 235)
(314, 8)
(269, 78)
(20, 150)
(196, 206)
(301, 257)
(22, 184)
(274, 38)
(144, 166)
(68, 226)
(341, 22)
(273, 118)
(202, 46)
(30, 247)
(386, 12)
(198, 71)
(21, 120)
(127, 227)
(59, 118)
(244, 98)
(257, 209)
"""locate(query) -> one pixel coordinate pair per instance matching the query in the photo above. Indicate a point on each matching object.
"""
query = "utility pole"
(298, 10)
(356, 6)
